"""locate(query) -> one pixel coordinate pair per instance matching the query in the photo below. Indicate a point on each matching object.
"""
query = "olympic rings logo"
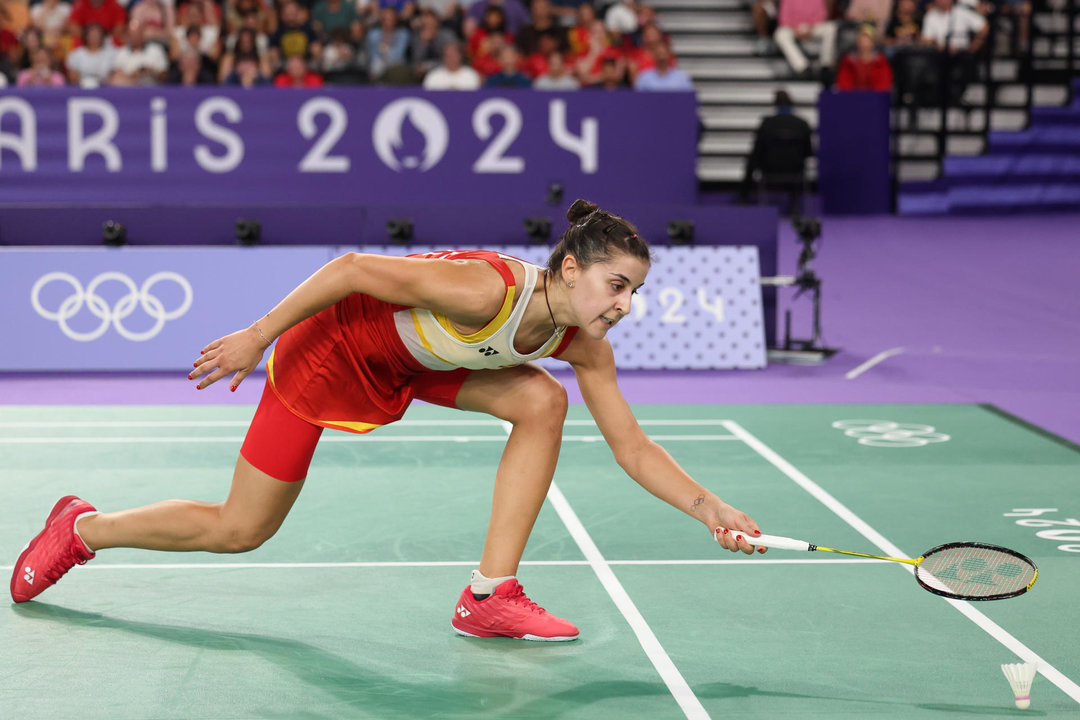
(115, 315)
(885, 433)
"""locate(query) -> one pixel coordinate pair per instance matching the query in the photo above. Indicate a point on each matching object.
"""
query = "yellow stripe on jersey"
(485, 332)
(423, 339)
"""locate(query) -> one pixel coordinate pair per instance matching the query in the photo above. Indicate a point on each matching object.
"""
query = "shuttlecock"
(1020, 676)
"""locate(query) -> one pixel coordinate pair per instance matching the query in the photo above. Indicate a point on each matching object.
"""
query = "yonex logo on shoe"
(488, 351)
(29, 575)
(462, 611)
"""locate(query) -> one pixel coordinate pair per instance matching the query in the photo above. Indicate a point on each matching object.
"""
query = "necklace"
(548, 303)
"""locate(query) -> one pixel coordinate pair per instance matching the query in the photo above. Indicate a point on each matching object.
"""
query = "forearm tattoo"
(697, 503)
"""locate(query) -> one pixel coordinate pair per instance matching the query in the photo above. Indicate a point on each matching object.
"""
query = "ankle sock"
(482, 587)
(75, 528)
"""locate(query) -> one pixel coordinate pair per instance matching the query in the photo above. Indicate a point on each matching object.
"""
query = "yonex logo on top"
(886, 433)
(488, 351)
(116, 314)
(462, 611)
(29, 575)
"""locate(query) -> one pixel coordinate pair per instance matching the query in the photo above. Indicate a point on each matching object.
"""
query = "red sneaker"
(507, 612)
(54, 551)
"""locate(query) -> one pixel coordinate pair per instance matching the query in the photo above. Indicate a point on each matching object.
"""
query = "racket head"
(975, 571)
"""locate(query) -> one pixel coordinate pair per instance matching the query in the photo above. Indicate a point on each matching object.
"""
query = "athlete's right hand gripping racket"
(959, 570)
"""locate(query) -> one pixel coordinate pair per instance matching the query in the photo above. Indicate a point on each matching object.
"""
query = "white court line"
(344, 437)
(670, 674)
(880, 357)
(1048, 671)
(446, 563)
(245, 423)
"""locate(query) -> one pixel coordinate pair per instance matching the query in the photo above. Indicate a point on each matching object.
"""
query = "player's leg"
(534, 403)
(266, 481)
(254, 510)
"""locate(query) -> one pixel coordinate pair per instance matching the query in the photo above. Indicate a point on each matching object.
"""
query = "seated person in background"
(294, 37)
(953, 28)
(903, 30)
(612, 75)
(427, 43)
(802, 19)
(663, 76)
(51, 18)
(139, 62)
(329, 15)
(557, 76)
(262, 16)
(90, 64)
(513, 11)
(246, 74)
(387, 43)
(957, 32)
(41, 72)
(543, 25)
(622, 17)
(109, 14)
(453, 74)
(155, 18)
(509, 75)
(341, 63)
(877, 12)
(580, 34)
(245, 43)
(189, 71)
(487, 40)
(866, 68)
(297, 74)
(782, 143)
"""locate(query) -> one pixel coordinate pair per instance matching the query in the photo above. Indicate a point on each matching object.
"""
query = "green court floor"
(345, 613)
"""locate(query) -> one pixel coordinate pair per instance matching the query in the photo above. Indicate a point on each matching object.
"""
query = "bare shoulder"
(464, 289)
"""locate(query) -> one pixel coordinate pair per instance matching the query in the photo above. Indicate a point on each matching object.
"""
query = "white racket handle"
(772, 541)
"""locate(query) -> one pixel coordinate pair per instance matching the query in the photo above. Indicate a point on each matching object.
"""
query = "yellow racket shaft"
(785, 543)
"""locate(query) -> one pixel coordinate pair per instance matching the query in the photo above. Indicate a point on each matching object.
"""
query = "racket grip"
(772, 541)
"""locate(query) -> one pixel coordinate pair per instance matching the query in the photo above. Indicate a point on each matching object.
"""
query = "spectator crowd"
(440, 44)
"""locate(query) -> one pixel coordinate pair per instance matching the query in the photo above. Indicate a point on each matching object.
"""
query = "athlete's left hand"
(239, 353)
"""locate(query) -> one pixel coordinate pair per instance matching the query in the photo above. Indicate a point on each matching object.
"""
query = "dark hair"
(782, 99)
(595, 236)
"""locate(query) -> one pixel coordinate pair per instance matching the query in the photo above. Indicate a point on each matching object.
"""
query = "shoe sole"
(534, 638)
(58, 508)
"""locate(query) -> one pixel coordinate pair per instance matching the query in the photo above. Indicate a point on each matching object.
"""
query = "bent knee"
(543, 399)
(241, 539)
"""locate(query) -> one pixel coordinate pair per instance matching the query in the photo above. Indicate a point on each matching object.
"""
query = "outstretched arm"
(644, 460)
(467, 291)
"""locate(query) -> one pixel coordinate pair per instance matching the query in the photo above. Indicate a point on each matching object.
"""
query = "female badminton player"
(363, 337)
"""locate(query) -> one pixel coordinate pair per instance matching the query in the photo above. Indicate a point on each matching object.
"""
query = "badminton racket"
(958, 570)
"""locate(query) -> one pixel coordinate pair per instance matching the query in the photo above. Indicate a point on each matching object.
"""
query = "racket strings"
(972, 571)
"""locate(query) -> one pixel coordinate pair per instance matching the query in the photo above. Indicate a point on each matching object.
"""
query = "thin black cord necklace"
(548, 303)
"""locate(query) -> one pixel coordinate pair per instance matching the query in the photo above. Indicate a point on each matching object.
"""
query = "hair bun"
(580, 209)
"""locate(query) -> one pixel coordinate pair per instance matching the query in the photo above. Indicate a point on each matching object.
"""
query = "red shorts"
(281, 443)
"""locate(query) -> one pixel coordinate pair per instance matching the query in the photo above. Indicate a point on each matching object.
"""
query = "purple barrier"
(365, 146)
(854, 153)
(88, 309)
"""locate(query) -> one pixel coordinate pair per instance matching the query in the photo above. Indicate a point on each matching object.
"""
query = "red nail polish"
(194, 364)
(725, 531)
(198, 387)
(232, 389)
(757, 532)
(738, 538)
(761, 550)
(190, 378)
